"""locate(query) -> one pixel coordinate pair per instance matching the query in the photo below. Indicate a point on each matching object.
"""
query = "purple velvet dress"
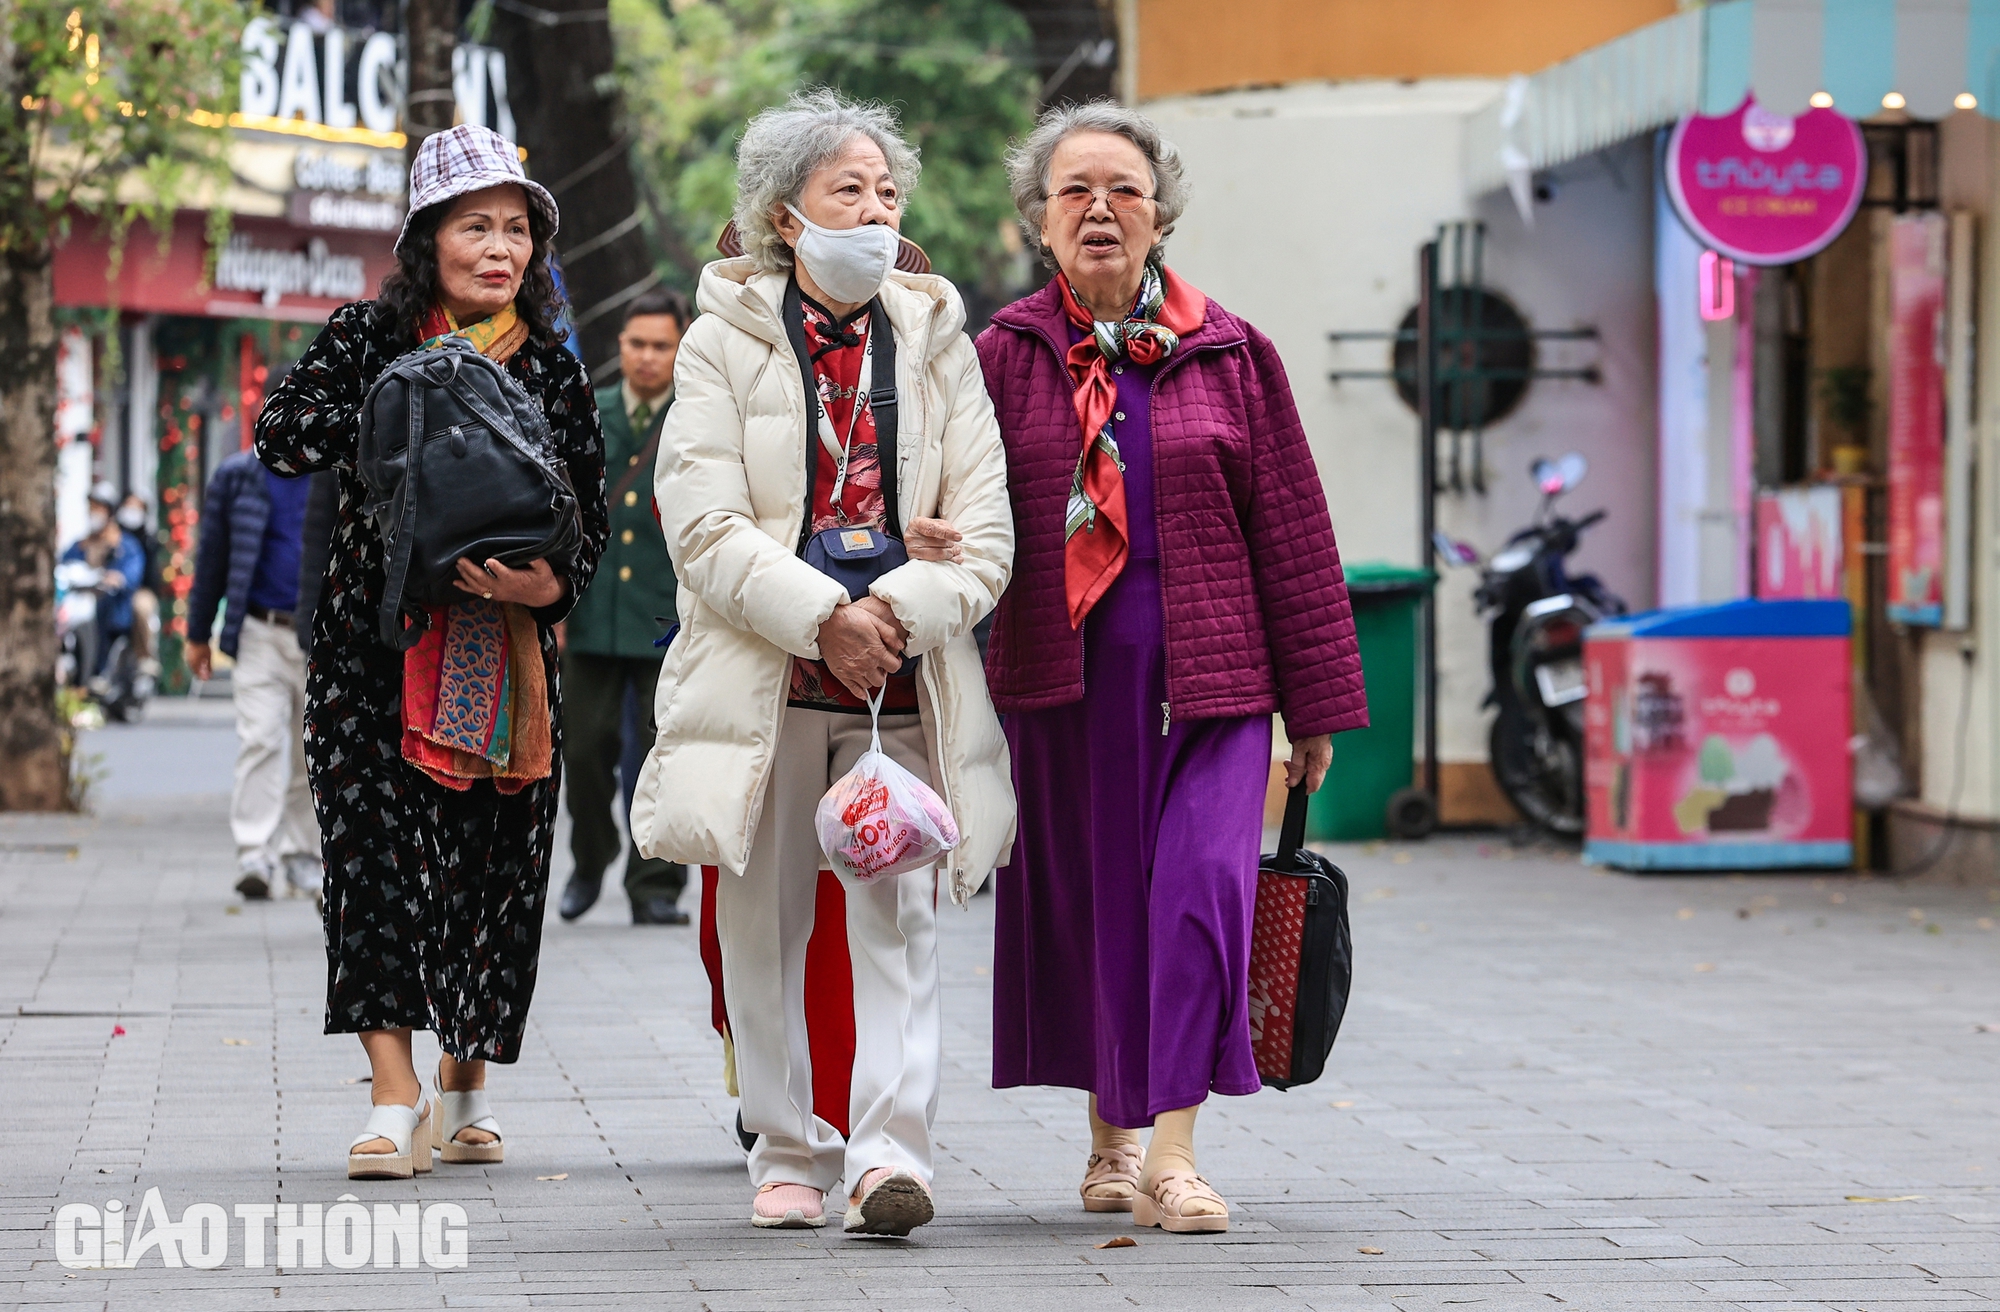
(1121, 952)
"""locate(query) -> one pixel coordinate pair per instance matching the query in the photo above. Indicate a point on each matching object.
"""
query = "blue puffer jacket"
(233, 515)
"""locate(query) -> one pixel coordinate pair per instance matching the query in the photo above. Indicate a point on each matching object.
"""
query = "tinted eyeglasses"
(1077, 199)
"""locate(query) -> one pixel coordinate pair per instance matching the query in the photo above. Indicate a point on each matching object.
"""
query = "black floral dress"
(434, 898)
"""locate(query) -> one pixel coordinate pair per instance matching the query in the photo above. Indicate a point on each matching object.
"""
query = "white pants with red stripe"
(764, 917)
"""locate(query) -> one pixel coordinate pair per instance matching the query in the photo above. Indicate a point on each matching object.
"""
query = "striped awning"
(1927, 57)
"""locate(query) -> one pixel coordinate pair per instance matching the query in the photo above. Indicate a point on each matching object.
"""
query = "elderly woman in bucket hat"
(437, 860)
(1176, 583)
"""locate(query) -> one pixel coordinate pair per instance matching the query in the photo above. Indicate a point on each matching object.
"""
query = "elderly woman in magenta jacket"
(1175, 583)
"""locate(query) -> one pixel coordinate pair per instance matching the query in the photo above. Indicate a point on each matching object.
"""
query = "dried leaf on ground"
(563, 1176)
(1118, 1241)
(1372, 1252)
(1899, 1198)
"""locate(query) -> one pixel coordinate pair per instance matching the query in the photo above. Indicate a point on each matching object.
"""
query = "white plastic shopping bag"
(879, 819)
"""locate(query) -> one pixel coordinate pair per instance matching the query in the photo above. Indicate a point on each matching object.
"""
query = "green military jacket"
(631, 601)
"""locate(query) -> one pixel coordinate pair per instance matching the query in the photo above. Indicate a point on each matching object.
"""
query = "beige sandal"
(1166, 1206)
(1111, 1180)
(466, 1110)
(409, 1134)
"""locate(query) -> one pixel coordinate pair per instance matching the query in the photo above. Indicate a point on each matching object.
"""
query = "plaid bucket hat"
(465, 159)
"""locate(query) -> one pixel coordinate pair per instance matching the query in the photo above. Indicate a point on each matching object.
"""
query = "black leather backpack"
(459, 461)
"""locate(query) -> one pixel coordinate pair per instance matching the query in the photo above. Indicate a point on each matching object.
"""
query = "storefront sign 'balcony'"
(343, 79)
(1764, 188)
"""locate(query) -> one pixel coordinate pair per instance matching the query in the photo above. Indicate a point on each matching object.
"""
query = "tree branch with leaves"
(112, 112)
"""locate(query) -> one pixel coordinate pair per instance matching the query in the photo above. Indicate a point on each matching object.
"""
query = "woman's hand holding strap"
(860, 647)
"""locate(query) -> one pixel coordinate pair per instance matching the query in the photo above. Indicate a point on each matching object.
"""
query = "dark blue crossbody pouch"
(852, 557)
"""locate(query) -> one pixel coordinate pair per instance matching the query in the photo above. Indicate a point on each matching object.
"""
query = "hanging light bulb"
(1965, 100)
(1821, 100)
(1894, 100)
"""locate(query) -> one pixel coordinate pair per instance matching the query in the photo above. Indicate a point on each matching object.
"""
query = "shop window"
(1902, 166)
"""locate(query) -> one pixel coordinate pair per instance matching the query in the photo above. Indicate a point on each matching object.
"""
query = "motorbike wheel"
(1544, 780)
(1412, 813)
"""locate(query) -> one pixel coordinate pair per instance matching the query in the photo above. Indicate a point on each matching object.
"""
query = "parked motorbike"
(1536, 612)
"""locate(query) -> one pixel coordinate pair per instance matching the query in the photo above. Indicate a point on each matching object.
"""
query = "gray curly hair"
(786, 144)
(1028, 165)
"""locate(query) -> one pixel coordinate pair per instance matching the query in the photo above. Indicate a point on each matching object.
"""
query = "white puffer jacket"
(731, 487)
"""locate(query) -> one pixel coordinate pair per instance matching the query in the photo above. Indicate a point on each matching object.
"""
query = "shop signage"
(343, 79)
(315, 271)
(1799, 546)
(1764, 188)
(1916, 419)
(345, 188)
(377, 171)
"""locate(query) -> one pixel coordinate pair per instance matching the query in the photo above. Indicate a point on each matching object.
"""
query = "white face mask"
(849, 264)
(132, 518)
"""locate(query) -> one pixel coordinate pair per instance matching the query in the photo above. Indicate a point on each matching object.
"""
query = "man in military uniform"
(608, 648)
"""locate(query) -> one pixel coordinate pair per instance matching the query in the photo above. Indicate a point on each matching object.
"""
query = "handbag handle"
(396, 571)
(1293, 835)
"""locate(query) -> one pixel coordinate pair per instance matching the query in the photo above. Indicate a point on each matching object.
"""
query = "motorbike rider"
(108, 548)
(131, 517)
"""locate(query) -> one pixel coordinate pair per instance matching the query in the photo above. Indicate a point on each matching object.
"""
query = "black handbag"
(1301, 956)
(852, 557)
(459, 462)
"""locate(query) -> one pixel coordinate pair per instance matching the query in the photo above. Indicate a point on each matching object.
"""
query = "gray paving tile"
(1537, 1102)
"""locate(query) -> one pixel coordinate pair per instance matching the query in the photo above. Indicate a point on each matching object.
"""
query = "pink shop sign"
(1765, 188)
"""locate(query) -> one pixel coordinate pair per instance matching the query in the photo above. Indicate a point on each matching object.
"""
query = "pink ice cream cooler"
(1716, 738)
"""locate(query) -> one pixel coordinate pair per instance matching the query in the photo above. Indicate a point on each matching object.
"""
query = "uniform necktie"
(642, 414)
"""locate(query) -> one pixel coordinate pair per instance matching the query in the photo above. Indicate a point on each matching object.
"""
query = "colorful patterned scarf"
(1167, 309)
(475, 691)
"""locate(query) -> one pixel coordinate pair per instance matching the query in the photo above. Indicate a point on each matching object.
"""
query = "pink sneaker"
(889, 1202)
(788, 1207)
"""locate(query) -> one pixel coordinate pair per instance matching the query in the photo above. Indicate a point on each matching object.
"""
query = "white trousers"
(764, 918)
(270, 810)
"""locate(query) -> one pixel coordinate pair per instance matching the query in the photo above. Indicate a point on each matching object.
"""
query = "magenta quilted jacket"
(1257, 616)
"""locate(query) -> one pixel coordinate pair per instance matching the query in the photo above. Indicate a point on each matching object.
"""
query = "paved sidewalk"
(1557, 1088)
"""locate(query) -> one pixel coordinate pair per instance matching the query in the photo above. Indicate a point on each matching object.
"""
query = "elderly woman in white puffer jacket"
(763, 700)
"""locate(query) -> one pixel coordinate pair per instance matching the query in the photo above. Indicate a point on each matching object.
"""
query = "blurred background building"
(1753, 428)
(1754, 431)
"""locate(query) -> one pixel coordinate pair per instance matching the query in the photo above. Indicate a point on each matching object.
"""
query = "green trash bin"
(1372, 765)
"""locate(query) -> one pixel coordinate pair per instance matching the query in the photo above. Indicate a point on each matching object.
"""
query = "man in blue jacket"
(247, 561)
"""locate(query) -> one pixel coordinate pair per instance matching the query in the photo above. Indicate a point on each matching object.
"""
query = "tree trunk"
(570, 118)
(34, 751)
(431, 27)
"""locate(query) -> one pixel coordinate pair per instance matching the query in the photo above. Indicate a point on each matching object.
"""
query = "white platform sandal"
(412, 1133)
(467, 1111)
